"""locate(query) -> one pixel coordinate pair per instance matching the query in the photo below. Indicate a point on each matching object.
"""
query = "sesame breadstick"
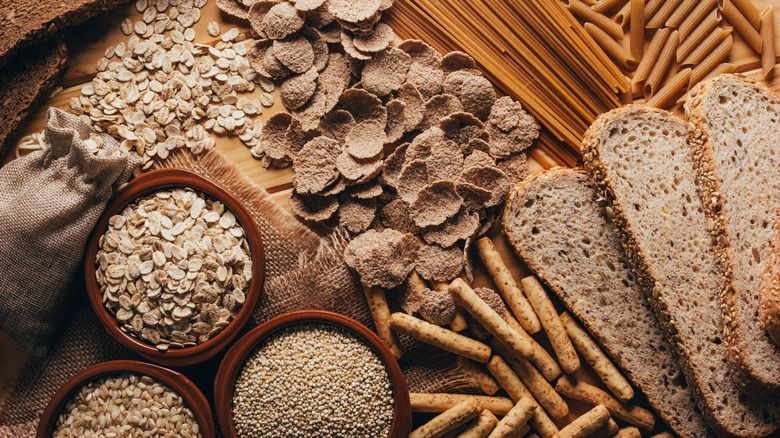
(515, 420)
(567, 356)
(540, 357)
(492, 321)
(628, 432)
(478, 374)
(587, 424)
(439, 337)
(448, 420)
(606, 431)
(664, 434)
(481, 426)
(595, 357)
(594, 396)
(380, 312)
(512, 294)
(439, 402)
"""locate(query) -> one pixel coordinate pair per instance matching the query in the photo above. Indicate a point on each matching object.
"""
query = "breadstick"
(541, 389)
(673, 89)
(540, 357)
(705, 9)
(681, 13)
(607, 430)
(663, 14)
(586, 424)
(439, 337)
(615, 51)
(661, 65)
(515, 420)
(588, 15)
(749, 10)
(594, 396)
(706, 47)
(541, 303)
(481, 426)
(628, 432)
(459, 323)
(484, 380)
(711, 61)
(448, 420)
(507, 286)
(595, 357)
(637, 29)
(651, 55)
(768, 43)
(380, 312)
(439, 402)
(492, 321)
(517, 390)
(664, 434)
(741, 24)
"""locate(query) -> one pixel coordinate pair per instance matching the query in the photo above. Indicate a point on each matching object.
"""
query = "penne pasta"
(768, 40)
(699, 13)
(602, 6)
(741, 24)
(651, 7)
(623, 16)
(681, 13)
(615, 51)
(637, 36)
(651, 56)
(720, 70)
(749, 11)
(674, 88)
(701, 32)
(588, 15)
(661, 66)
(711, 61)
(663, 14)
(706, 47)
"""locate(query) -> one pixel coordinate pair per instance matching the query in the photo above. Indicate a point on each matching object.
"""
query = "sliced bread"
(736, 146)
(555, 224)
(639, 160)
(24, 83)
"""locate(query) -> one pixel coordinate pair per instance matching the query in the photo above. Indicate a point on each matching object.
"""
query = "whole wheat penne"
(602, 6)
(681, 13)
(507, 286)
(651, 7)
(623, 16)
(592, 395)
(749, 11)
(637, 43)
(481, 426)
(595, 357)
(768, 40)
(439, 337)
(628, 432)
(517, 390)
(664, 12)
(556, 333)
(741, 24)
(541, 359)
(671, 90)
(492, 321)
(706, 47)
(702, 31)
(661, 66)
(480, 375)
(614, 50)
(607, 430)
(586, 424)
(439, 402)
(448, 420)
(581, 10)
(699, 13)
(515, 420)
(380, 312)
(651, 55)
(723, 68)
(711, 61)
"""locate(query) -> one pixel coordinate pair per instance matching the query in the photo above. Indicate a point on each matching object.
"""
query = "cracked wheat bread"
(555, 224)
(639, 160)
(735, 134)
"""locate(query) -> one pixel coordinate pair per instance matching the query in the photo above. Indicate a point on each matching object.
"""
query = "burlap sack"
(49, 202)
(303, 271)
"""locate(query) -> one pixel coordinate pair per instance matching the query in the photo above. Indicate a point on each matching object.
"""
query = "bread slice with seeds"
(555, 224)
(639, 160)
(737, 157)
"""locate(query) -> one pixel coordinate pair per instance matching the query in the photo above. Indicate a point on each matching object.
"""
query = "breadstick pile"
(691, 40)
(496, 351)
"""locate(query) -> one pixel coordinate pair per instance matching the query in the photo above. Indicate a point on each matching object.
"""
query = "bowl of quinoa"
(311, 374)
(127, 398)
(174, 267)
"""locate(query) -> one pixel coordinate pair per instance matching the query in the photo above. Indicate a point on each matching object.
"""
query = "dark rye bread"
(24, 22)
(639, 160)
(24, 83)
(556, 226)
(736, 145)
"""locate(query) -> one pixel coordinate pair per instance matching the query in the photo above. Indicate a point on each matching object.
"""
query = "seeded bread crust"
(765, 418)
(624, 324)
(757, 377)
(769, 307)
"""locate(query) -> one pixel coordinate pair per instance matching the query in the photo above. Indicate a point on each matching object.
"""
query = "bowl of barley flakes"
(174, 267)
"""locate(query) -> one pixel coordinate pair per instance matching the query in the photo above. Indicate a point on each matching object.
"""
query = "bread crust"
(600, 179)
(748, 380)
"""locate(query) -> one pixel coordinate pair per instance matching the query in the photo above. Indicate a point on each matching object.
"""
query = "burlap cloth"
(303, 271)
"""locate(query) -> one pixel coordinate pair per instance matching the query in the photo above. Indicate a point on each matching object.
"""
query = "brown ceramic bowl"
(183, 386)
(235, 357)
(149, 183)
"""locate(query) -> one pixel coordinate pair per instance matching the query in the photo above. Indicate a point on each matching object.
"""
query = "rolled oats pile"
(126, 405)
(313, 380)
(174, 268)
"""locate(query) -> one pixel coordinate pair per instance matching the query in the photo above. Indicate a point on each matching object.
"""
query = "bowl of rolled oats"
(311, 373)
(127, 398)
(174, 267)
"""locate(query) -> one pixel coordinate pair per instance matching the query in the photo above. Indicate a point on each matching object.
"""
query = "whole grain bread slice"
(24, 83)
(735, 140)
(639, 160)
(556, 225)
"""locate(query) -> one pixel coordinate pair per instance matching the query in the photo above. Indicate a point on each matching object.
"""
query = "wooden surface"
(89, 41)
